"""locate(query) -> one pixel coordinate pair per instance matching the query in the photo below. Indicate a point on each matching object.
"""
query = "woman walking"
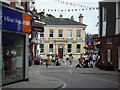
(70, 59)
(64, 59)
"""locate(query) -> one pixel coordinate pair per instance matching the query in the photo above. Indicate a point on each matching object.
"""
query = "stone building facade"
(62, 36)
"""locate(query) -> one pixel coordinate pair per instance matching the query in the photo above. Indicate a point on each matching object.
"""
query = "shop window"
(69, 48)
(51, 33)
(60, 33)
(41, 48)
(13, 57)
(78, 48)
(50, 48)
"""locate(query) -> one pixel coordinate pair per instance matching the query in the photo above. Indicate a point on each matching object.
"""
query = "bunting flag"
(73, 4)
(68, 10)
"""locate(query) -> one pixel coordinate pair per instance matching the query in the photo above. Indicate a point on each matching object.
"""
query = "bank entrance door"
(60, 51)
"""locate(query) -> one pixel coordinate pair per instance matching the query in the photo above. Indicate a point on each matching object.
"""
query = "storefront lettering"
(26, 23)
(12, 20)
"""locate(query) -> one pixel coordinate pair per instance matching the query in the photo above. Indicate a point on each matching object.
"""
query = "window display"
(13, 57)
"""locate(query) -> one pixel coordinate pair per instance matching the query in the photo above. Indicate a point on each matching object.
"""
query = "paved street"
(68, 77)
(81, 77)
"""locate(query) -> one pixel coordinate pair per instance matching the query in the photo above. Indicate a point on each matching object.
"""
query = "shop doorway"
(60, 51)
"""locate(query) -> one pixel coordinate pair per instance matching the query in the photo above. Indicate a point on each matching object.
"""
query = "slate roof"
(60, 21)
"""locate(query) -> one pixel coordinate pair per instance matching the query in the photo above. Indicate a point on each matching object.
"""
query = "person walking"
(81, 60)
(57, 58)
(64, 59)
(48, 60)
(94, 57)
(70, 59)
(86, 57)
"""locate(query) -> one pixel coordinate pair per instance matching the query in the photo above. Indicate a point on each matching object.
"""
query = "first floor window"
(69, 33)
(69, 48)
(41, 34)
(41, 48)
(51, 33)
(60, 33)
(78, 48)
(78, 33)
(50, 48)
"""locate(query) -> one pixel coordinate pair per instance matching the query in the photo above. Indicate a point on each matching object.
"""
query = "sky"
(90, 16)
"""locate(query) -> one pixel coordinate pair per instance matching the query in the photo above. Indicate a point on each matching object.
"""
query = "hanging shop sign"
(26, 23)
(15, 21)
(38, 26)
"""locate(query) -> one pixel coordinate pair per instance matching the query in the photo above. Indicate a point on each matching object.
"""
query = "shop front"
(14, 46)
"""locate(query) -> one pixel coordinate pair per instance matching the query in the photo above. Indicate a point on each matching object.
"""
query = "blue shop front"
(14, 48)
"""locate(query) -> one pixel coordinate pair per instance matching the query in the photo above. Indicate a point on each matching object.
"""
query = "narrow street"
(80, 77)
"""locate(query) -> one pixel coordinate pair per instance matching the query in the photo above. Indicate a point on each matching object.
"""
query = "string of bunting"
(74, 4)
(67, 10)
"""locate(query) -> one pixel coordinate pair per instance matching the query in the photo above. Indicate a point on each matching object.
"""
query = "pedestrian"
(57, 58)
(53, 59)
(38, 60)
(48, 60)
(86, 57)
(81, 60)
(30, 59)
(94, 57)
(70, 59)
(64, 59)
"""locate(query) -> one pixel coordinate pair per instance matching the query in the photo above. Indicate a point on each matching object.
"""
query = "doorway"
(60, 51)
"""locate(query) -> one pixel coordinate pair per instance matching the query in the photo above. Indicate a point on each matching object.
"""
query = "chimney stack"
(61, 15)
(72, 18)
(81, 18)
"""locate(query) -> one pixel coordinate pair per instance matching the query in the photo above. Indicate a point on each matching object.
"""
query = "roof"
(60, 21)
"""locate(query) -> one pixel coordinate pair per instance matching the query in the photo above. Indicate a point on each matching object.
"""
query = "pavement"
(36, 80)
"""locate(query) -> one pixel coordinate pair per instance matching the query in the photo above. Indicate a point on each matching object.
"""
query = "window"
(41, 34)
(104, 24)
(78, 48)
(13, 57)
(69, 33)
(41, 48)
(60, 33)
(50, 48)
(69, 48)
(109, 55)
(109, 40)
(51, 33)
(104, 13)
(78, 33)
(119, 10)
(19, 4)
